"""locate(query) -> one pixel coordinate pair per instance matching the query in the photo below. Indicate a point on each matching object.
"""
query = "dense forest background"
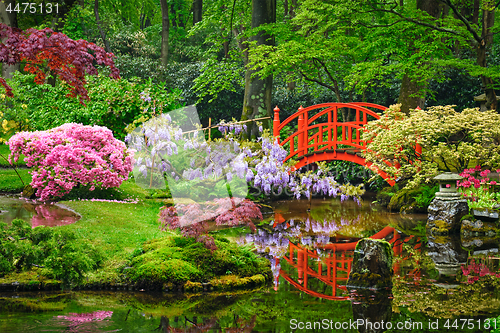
(240, 58)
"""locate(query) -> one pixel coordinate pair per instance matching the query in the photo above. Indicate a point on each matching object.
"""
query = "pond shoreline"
(216, 284)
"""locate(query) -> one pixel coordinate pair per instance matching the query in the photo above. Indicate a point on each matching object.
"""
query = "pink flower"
(477, 168)
(484, 173)
(448, 185)
(493, 182)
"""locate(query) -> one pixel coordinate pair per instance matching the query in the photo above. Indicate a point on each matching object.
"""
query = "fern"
(428, 193)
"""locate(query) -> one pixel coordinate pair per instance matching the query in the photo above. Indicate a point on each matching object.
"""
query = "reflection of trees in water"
(194, 325)
(450, 282)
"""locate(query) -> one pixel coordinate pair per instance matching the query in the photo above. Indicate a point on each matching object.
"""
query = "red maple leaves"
(46, 51)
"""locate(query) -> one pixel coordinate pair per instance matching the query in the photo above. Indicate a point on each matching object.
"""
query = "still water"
(440, 284)
(36, 214)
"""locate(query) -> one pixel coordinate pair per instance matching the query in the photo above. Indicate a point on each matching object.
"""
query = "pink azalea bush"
(71, 155)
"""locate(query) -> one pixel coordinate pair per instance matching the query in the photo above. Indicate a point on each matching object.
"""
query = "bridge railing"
(322, 130)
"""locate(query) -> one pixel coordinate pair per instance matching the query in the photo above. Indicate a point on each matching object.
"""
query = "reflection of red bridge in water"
(333, 270)
(320, 136)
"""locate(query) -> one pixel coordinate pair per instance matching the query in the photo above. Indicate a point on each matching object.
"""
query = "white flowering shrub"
(450, 141)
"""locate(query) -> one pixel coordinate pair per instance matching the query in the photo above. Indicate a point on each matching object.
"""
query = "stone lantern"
(448, 186)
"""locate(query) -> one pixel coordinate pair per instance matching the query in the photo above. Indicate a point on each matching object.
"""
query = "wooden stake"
(209, 127)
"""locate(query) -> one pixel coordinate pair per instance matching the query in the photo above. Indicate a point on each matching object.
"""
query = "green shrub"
(113, 103)
(450, 141)
(59, 251)
(412, 200)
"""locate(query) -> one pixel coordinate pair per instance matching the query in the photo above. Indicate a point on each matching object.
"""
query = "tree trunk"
(258, 91)
(9, 19)
(488, 21)
(412, 92)
(99, 26)
(165, 26)
(197, 11)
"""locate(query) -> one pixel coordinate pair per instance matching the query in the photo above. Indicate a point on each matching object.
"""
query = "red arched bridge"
(321, 136)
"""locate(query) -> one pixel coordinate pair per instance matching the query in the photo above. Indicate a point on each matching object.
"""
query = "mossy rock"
(372, 265)
(193, 286)
(28, 192)
(441, 228)
(156, 272)
(404, 200)
(233, 282)
(471, 228)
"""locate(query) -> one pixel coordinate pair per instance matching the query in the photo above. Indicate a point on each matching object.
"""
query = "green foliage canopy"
(113, 103)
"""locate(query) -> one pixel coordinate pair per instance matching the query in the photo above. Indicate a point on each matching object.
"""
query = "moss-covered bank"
(118, 246)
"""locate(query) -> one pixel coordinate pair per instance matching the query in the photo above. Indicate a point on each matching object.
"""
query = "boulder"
(445, 215)
(371, 265)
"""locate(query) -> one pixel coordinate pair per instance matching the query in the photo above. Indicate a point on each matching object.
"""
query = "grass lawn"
(10, 182)
(120, 231)
(117, 228)
(5, 151)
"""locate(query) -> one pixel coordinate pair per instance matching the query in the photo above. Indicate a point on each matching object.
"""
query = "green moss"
(179, 259)
(232, 282)
(158, 271)
(193, 286)
(441, 228)
(404, 197)
(469, 217)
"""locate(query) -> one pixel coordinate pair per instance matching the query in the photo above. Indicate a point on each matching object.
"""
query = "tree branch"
(463, 19)
(425, 24)
(326, 69)
(321, 83)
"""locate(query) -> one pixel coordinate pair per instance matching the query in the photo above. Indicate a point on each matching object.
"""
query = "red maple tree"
(46, 50)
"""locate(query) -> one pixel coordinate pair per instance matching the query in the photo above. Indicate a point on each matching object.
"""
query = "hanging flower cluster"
(163, 147)
(71, 155)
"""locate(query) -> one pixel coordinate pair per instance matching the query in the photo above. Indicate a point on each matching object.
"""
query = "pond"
(35, 213)
(440, 284)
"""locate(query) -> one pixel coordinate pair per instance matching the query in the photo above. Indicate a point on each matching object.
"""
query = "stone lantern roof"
(448, 177)
(482, 99)
(448, 186)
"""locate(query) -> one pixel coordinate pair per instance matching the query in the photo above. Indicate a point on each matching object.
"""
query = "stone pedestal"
(371, 265)
(445, 215)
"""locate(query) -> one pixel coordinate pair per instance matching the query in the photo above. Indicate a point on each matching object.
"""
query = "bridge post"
(276, 123)
(300, 136)
(305, 120)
